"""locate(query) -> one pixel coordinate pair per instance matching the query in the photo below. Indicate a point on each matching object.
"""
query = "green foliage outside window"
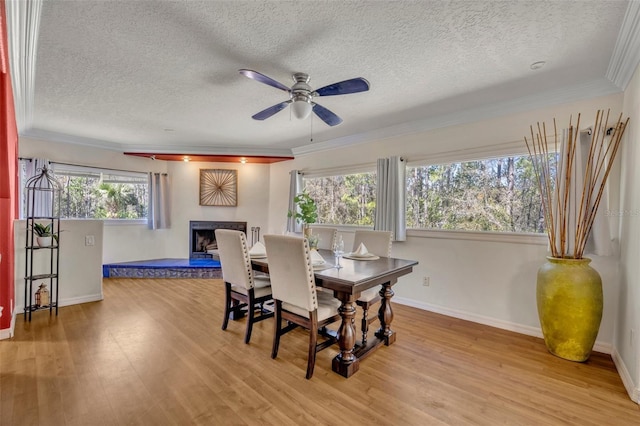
(488, 195)
(344, 199)
(499, 194)
(92, 197)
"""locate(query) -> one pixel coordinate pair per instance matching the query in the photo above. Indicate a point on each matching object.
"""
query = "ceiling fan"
(301, 95)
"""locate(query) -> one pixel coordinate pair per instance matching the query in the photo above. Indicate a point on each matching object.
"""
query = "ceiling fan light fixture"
(301, 108)
(301, 96)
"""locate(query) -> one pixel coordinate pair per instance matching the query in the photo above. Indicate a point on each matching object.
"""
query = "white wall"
(628, 318)
(80, 273)
(253, 197)
(488, 280)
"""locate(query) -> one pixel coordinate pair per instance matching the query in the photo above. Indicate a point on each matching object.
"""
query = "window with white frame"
(346, 199)
(498, 194)
(95, 193)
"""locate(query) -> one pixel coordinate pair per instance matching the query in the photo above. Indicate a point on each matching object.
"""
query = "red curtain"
(8, 178)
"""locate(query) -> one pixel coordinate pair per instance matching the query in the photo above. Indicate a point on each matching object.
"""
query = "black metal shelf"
(34, 308)
(41, 277)
(43, 208)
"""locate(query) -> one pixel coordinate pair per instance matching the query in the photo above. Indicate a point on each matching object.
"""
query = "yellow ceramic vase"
(569, 296)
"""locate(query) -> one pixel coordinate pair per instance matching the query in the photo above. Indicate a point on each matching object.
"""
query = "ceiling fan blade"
(266, 113)
(255, 75)
(354, 85)
(325, 115)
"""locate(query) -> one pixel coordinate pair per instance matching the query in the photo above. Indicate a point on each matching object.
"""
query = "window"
(93, 193)
(344, 199)
(496, 194)
(499, 194)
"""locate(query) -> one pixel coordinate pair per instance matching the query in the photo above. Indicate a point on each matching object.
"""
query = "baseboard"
(84, 299)
(7, 333)
(493, 322)
(72, 301)
(632, 389)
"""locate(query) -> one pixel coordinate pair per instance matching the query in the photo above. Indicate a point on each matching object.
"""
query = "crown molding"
(626, 54)
(581, 91)
(47, 135)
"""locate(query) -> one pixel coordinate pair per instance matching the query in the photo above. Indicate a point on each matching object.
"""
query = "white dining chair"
(326, 237)
(242, 287)
(295, 296)
(378, 243)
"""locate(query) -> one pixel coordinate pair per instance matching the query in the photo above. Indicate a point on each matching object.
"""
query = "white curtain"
(23, 27)
(391, 194)
(295, 187)
(40, 202)
(599, 241)
(159, 216)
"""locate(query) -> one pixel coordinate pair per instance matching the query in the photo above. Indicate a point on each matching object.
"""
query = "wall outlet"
(426, 281)
(89, 240)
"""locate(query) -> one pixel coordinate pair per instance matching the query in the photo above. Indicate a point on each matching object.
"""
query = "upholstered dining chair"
(242, 287)
(326, 237)
(295, 295)
(378, 243)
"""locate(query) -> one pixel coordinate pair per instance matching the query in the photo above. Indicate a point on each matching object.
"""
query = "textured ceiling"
(162, 76)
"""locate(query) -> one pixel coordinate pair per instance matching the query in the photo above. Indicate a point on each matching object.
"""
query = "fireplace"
(202, 236)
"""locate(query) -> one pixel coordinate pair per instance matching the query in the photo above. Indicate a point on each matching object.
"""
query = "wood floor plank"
(153, 353)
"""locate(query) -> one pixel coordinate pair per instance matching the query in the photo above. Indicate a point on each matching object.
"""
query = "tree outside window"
(344, 199)
(499, 194)
(93, 193)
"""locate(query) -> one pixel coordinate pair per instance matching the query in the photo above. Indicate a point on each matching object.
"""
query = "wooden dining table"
(347, 284)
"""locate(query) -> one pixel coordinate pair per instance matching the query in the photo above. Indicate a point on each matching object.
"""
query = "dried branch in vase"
(571, 185)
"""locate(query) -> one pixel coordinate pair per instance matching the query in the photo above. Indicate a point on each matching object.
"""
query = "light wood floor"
(153, 353)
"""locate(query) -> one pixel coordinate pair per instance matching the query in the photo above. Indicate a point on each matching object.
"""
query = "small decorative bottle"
(42, 296)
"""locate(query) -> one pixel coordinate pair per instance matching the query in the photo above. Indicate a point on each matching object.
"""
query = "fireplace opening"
(202, 237)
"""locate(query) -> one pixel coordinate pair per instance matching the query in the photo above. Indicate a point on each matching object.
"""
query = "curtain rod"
(342, 169)
(83, 165)
(607, 131)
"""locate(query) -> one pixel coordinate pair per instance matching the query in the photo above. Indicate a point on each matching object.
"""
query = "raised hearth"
(164, 268)
(202, 236)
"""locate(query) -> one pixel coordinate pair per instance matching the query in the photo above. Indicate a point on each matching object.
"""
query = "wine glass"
(338, 251)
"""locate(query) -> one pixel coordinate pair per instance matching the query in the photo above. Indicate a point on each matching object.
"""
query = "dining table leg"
(385, 315)
(346, 363)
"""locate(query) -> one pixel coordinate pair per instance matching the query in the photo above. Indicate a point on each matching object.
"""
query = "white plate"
(356, 257)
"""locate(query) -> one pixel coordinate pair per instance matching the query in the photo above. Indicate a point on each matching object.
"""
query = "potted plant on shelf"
(571, 185)
(44, 234)
(306, 214)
